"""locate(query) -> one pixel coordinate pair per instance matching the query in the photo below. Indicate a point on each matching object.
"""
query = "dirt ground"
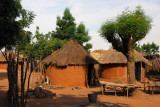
(3, 89)
(69, 97)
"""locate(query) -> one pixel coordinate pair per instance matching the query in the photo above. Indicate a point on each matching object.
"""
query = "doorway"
(138, 71)
(90, 67)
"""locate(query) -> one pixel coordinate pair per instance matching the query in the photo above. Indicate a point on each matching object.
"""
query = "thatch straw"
(72, 53)
(113, 56)
(101, 51)
(140, 58)
(97, 53)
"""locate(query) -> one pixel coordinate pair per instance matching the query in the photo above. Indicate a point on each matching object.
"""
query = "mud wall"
(114, 73)
(3, 66)
(70, 76)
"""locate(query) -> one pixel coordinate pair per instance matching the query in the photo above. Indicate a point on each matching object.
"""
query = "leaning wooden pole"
(22, 84)
(16, 81)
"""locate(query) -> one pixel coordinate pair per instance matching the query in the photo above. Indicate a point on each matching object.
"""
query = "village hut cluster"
(72, 66)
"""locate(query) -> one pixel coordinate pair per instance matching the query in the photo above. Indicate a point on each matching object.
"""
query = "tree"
(127, 28)
(9, 26)
(11, 34)
(82, 37)
(22, 45)
(148, 49)
(40, 44)
(66, 29)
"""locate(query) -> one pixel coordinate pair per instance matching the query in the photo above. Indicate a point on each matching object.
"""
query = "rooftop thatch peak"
(72, 53)
(97, 53)
(101, 51)
(113, 56)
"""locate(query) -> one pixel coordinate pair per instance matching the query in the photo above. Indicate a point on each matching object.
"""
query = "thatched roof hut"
(113, 56)
(113, 65)
(72, 53)
(70, 66)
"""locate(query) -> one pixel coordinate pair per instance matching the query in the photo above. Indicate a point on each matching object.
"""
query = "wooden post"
(127, 92)
(152, 90)
(124, 91)
(144, 86)
(148, 88)
(115, 91)
(22, 84)
(102, 89)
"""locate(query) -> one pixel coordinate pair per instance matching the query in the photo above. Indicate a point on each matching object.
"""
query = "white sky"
(93, 13)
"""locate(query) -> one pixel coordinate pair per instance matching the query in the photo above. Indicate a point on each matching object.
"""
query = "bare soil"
(68, 97)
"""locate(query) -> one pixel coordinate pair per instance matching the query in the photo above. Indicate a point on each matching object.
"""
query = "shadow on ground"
(156, 90)
(3, 98)
(69, 101)
(3, 75)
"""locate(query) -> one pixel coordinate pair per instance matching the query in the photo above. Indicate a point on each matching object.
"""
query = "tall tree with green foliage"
(9, 26)
(66, 29)
(40, 44)
(148, 48)
(43, 45)
(10, 33)
(26, 18)
(82, 37)
(123, 31)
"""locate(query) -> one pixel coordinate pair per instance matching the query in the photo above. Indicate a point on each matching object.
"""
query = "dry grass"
(116, 57)
(72, 53)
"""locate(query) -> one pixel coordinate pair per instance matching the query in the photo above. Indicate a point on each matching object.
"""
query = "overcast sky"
(93, 13)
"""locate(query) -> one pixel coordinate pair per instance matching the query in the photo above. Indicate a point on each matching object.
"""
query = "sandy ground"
(79, 97)
(69, 97)
(3, 89)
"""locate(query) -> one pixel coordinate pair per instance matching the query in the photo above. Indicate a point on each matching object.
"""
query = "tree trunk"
(131, 64)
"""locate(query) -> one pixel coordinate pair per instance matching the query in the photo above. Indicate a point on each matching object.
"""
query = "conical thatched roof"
(140, 58)
(113, 56)
(72, 53)
(97, 53)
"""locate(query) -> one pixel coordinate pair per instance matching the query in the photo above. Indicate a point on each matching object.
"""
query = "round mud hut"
(70, 66)
(113, 66)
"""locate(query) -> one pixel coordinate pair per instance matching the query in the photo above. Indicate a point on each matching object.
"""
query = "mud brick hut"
(113, 66)
(70, 66)
(3, 63)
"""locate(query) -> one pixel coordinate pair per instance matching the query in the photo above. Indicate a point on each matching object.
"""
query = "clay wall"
(114, 73)
(70, 76)
(3, 66)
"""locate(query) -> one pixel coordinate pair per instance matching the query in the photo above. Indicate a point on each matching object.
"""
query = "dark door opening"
(90, 67)
(138, 71)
